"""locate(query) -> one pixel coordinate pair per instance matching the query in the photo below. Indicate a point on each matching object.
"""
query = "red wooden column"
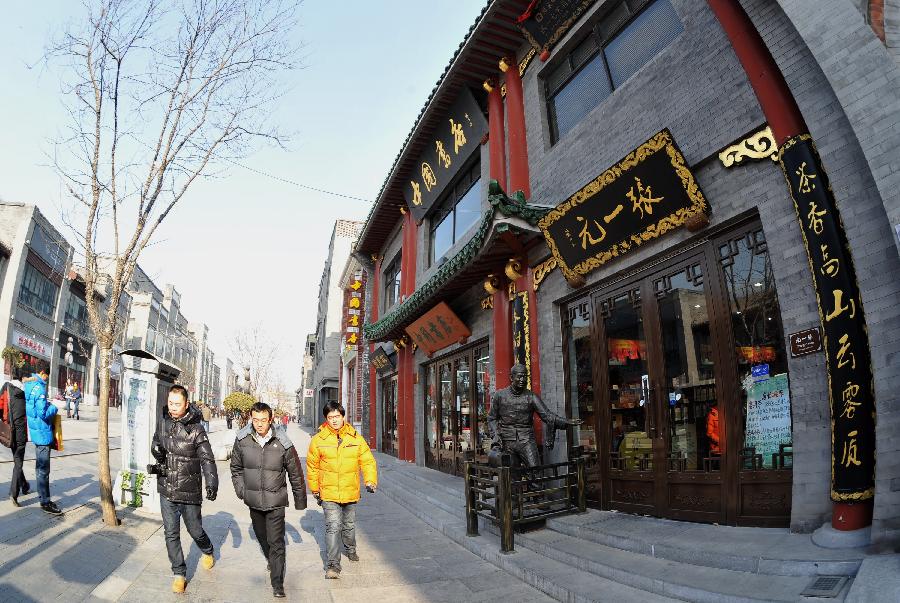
(786, 121)
(373, 374)
(518, 148)
(496, 133)
(502, 331)
(405, 361)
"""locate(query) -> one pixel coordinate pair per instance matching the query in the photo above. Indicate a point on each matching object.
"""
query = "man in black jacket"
(181, 447)
(16, 397)
(261, 457)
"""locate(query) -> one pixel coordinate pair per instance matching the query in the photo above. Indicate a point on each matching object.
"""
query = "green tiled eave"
(414, 305)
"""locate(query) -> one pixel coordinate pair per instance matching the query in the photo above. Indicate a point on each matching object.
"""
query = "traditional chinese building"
(680, 217)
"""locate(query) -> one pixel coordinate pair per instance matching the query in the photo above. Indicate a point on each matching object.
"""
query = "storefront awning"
(506, 228)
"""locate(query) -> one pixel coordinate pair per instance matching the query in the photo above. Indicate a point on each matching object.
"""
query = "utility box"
(146, 381)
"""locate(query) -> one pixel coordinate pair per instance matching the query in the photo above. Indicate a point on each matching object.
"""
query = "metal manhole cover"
(825, 586)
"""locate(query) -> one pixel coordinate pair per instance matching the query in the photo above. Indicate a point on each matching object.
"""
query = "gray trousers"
(340, 526)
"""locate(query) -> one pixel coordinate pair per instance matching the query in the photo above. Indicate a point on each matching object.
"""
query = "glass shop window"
(458, 214)
(38, 292)
(580, 366)
(623, 41)
(392, 283)
(760, 353)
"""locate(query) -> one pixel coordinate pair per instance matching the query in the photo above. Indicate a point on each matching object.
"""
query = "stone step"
(658, 576)
(558, 580)
(768, 551)
(771, 551)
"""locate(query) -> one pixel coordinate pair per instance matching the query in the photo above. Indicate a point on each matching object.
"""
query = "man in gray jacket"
(261, 457)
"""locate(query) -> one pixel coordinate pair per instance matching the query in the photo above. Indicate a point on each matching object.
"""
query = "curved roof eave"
(497, 18)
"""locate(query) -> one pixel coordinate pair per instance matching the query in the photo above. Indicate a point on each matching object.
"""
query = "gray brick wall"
(697, 89)
(847, 89)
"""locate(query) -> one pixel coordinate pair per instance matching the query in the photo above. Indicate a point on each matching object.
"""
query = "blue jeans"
(42, 471)
(172, 513)
(339, 518)
(205, 425)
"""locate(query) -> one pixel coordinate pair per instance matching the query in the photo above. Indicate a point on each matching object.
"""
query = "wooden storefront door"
(456, 407)
(682, 355)
(389, 442)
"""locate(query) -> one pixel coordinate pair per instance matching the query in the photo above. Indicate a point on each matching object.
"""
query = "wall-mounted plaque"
(381, 361)
(648, 193)
(457, 135)
(806, 342)
(545, 23)
(437, 329)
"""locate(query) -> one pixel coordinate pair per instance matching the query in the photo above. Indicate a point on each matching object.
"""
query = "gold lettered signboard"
(437, 329)
(456, 136)
(850, 382)
(521, 332)
(544, 23)
(648, 193)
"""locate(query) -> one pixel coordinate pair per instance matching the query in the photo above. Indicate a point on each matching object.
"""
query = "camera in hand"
(157, 469)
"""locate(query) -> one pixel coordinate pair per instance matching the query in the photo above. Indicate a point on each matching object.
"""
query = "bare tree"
(254, 348)
(159, 93)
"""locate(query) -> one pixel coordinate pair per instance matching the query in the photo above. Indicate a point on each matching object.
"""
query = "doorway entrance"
(389, 442)
(456, 409)
(680, 374)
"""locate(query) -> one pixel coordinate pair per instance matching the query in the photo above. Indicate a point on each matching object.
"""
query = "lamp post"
(69, 358)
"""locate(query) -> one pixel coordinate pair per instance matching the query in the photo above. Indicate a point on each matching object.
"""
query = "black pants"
(269, 529)
(18, 483)
(172, 514)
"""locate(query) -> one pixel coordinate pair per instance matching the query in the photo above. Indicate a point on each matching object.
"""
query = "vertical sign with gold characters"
(521, 332)
(353, 320)
(454, 139)
(850, 381)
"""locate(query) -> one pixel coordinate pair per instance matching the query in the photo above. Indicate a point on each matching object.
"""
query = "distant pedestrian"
(76, 400)
(206, 411)
(284, 420)
(69, 397)
(229, 419)
(181, 447)
(261, 457)
(40, 413)
(336, 456)
(16, 396)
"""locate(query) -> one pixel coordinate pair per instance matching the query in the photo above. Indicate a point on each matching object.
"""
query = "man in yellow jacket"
(336, 456)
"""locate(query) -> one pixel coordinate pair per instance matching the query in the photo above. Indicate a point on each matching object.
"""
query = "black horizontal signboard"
(648, 193)
(547, 22)
(455, 138)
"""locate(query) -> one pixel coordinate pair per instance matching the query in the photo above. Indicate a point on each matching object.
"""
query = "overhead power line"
(298, 184)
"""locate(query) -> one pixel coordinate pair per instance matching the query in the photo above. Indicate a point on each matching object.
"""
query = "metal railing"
(513, 497)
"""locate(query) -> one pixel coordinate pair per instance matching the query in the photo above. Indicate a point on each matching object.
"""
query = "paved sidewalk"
(76, 558)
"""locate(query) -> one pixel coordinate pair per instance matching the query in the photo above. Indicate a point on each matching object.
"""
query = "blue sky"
(245, 248)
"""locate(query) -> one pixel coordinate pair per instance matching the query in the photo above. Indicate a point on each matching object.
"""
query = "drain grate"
(825, 586)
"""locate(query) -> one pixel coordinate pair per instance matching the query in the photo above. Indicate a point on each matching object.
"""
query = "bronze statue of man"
(510, 419)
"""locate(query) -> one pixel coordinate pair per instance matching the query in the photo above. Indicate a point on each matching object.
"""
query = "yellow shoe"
(179, 584)
(208, 561)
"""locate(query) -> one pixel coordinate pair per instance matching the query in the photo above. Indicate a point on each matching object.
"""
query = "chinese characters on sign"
(521, 332)
(381, 361)
(353, 319)
(846, 342)
(456, 136)
(437, 329)
(805, 342)
(548, 21)
(648, 193)
(31, 345)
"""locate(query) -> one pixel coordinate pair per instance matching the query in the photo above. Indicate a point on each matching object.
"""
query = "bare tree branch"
(157, 92)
